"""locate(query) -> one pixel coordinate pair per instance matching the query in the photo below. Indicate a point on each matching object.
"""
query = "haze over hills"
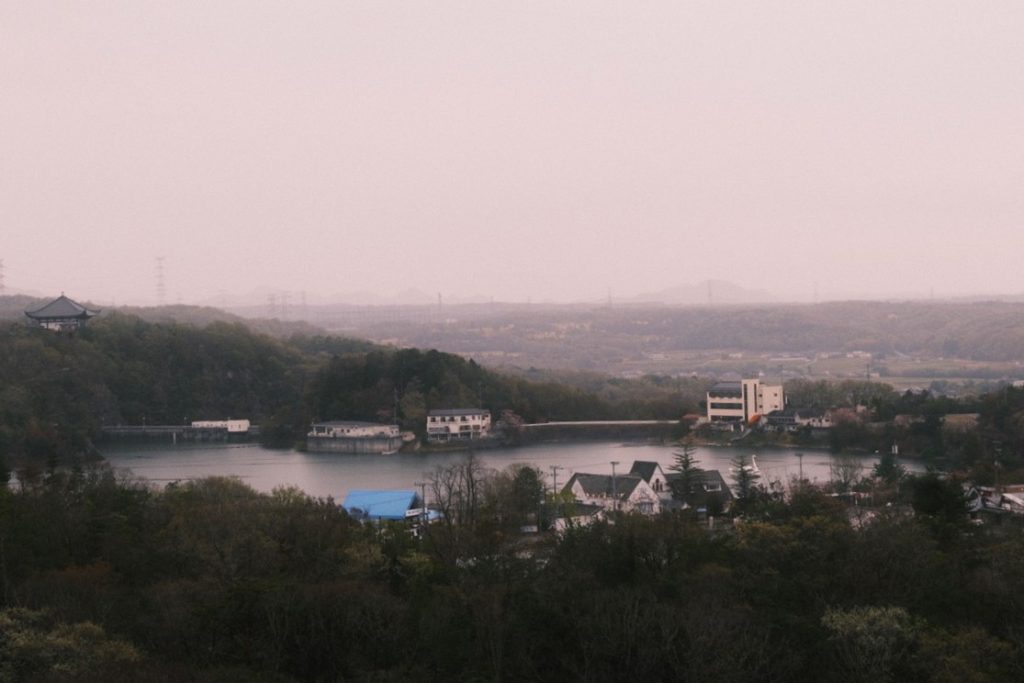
(914, 339)
(685, 294)
(706, 292)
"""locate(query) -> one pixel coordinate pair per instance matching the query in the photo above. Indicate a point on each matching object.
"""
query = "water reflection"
(324, 474)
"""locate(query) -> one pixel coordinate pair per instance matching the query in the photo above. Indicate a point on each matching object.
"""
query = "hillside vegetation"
(57, 390)
(206, 581)
(597, 337)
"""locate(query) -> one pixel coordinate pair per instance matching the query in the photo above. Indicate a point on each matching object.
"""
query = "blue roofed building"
(388, 504)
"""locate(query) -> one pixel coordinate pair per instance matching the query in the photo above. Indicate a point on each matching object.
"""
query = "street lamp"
(615, 495)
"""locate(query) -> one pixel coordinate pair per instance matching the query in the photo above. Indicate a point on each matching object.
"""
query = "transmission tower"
(161, 287)
(285, 301)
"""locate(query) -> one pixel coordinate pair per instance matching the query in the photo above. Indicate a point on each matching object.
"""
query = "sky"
(555, 151)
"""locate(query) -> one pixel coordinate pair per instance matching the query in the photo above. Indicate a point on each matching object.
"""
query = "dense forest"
(210, 581)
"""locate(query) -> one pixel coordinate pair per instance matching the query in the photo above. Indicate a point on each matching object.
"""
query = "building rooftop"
(601, 484)
(61, 308)
(379, 504)
(644, 469)
(349, 423)
(455, 412)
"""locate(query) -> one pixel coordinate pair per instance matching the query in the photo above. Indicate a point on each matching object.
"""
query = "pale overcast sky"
(544, 150)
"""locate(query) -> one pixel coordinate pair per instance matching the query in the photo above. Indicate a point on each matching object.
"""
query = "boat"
(752, 468)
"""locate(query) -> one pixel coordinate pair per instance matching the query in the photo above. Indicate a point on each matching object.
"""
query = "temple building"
(61, 315)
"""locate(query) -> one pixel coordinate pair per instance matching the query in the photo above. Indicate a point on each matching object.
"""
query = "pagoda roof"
(61, 308)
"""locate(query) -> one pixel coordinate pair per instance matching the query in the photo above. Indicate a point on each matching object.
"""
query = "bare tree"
(846, 471)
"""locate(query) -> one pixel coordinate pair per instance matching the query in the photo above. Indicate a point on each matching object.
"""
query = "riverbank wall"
(174, 434)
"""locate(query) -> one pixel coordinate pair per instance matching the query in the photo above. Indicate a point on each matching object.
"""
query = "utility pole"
(615, 494)
(800, 458)
(423, 500)
(554, 479)
(2, 291)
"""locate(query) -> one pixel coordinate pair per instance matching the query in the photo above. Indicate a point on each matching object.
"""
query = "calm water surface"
(325, 474)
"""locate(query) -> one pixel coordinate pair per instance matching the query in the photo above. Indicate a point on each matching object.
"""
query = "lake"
(325, 474)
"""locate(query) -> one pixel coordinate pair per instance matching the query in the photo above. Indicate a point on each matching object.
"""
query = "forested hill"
(57, 390)
(592, 337)
(13, 308)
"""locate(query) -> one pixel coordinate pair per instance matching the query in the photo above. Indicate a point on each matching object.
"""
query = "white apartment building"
(741, 401)
(457, 424)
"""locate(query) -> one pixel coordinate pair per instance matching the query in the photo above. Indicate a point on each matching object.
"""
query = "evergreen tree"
(686, 465)
(744, 477)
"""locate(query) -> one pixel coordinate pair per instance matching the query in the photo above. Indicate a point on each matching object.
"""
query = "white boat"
(752, 468)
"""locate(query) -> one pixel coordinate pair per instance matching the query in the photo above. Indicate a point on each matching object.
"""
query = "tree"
(888, 470)
(940, 503)
(689, 473)
(846, 471)
(871, 642)
(514, 496)
(744, 476)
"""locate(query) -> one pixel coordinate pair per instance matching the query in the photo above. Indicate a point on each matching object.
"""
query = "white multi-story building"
(741, 401)
(457, 424)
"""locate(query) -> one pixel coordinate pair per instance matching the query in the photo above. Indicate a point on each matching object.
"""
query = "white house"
(652, 473)
(341, 428)
(232, 426)
(458, 424)
(625, 492)
(741, 401)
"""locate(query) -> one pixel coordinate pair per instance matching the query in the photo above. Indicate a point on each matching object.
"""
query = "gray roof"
(601, 484)
(706, 477)
(454, 412)
(60, 308)
(349, 423)
(644, 469)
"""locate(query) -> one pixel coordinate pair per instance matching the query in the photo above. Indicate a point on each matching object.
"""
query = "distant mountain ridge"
(714, 292)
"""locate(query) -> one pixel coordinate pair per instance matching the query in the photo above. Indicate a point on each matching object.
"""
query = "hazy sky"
(545, 150)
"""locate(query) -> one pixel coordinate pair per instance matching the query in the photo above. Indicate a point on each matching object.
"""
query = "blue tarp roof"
(385, 504)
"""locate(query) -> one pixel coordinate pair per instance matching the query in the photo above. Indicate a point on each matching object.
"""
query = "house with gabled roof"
(651, 472)
(61, 315)
(626, 492)
(710, 491)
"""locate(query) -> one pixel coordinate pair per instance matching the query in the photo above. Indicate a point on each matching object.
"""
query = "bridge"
(624, 429)
(176, 433)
